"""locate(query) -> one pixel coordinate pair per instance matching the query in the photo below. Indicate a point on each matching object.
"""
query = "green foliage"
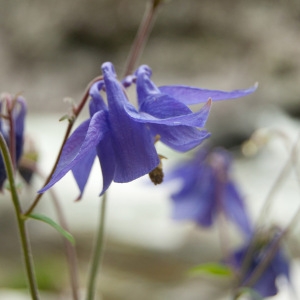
(50, 275)
(251, 292)
(49, 221)
(214, 269)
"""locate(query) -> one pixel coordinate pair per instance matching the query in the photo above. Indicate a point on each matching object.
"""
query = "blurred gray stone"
(50, 50)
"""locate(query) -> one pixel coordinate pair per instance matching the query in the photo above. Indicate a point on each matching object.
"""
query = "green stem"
(70, 250)
(20, 219)
(98, 250)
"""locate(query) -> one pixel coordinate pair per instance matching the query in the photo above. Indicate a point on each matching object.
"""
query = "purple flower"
(265, 283)
(207, 190)
(18, 106)
(123, 136)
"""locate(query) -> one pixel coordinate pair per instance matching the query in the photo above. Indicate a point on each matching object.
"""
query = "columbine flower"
(208, 190)
(123, 136)
(265, 282)
(18, 114)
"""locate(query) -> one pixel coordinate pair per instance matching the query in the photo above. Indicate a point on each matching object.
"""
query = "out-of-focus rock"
(51, 50)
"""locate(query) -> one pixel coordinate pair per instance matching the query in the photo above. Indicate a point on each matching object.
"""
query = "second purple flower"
(208, 190)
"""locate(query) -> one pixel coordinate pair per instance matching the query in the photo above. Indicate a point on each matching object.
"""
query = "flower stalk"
(142, 35)
(70, 251)
(20, 220)
(98, 251)
(279, 180)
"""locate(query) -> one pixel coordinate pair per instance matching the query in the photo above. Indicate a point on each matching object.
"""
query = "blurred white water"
(138, 213)
(138, 204)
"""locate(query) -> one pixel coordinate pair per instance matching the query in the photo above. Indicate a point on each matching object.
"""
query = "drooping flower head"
(263, 247)
(208, 190)
(17, 107)
(123, 136)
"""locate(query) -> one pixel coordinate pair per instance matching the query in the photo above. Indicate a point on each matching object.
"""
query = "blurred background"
(50, 50)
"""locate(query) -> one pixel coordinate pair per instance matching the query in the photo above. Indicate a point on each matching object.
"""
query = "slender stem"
(221, 221)
(276, 185)
(20, 219)
(223, 236)
(142, 35)
(70, 251)
(76, 112)
(279, 180)
(261, 267)
(258, 271)
(97, 254)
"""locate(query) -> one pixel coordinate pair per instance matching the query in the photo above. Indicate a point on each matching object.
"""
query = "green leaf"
(214, 269)
(18, 186)
(47, 220)
(251, 292)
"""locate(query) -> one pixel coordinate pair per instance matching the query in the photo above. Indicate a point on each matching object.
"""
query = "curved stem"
(20, 220)
(142, 36)
(69, 250)
(97, 254)
(76, 112)
(279, 180)
(258, 271)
